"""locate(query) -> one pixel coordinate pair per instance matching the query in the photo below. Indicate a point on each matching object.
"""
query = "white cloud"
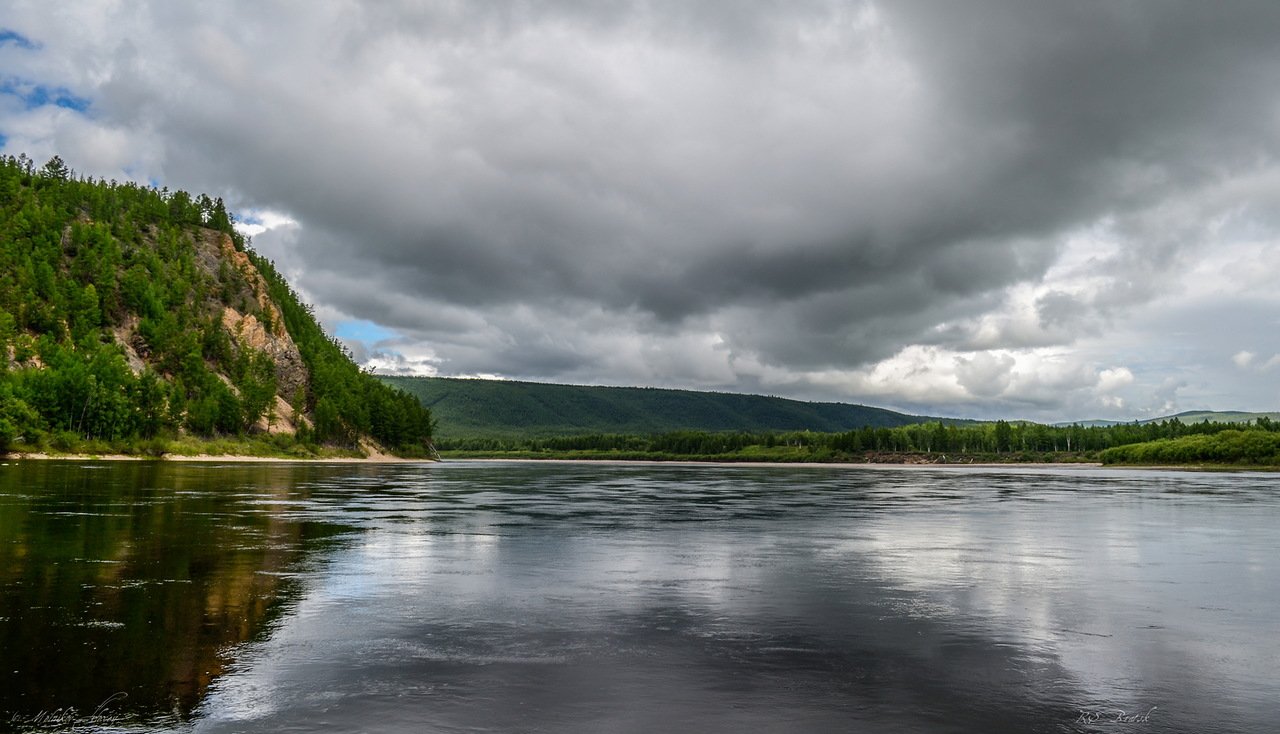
(394, 363)
(1110, 380)
(986, 374)
(254, 222)
(1247, 360)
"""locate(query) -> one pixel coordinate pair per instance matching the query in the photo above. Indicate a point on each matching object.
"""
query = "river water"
(540, 597)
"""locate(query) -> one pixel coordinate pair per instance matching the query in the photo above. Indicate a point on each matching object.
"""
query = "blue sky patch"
(17, 39)
(39, 95)
(3, 139)
(363, 331)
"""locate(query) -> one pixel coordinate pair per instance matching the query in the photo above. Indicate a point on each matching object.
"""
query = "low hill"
(132, 316)
(1219, 416)
(469, 408)
(1188, 416)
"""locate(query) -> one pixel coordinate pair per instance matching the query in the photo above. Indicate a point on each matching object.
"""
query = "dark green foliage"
(84, 391)
(16, 417)
(255, 377)
(489, 408)
(1260, 446)
(83, 259)
(1222, 443)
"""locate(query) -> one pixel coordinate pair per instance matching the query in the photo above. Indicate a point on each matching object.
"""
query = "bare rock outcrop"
(253, 321)
(131, 343)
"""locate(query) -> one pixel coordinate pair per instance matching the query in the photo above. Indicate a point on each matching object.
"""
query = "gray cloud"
(734, 195)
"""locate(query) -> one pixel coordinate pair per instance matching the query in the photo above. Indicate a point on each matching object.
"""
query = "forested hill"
(492, 408)
(1187, 417)
(131, 317)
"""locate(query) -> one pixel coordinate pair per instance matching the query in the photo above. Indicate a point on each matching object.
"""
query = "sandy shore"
(371, 459)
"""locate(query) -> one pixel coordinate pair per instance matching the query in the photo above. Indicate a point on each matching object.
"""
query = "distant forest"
(536, 420)
(80, 258)
(1160, 443)
(518, 410)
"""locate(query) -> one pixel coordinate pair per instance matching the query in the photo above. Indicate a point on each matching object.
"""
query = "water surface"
(590, 598)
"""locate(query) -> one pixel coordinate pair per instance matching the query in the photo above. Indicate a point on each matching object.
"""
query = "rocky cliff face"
(242, 304)
(255, 323)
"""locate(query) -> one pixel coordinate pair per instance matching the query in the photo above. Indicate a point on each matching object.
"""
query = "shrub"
(64, 441)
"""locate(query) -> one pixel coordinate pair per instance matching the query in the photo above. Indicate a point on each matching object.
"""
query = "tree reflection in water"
(138, 579)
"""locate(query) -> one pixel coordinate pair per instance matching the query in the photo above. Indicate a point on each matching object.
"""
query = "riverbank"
(895, 463)
(383, 458)
(789, 464)
(229, 458)
(788, 455)
(233, 449)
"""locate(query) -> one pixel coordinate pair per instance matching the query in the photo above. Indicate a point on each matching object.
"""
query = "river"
(549, 597)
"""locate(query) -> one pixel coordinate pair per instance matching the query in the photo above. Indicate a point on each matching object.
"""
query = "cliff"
(129, 314)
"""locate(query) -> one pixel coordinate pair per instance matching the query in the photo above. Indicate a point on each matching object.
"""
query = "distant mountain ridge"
(1186, 416)
(500, 408)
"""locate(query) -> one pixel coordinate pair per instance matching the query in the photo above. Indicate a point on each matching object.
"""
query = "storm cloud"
(967, 208)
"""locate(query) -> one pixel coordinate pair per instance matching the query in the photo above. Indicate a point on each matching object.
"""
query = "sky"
(1000, 208)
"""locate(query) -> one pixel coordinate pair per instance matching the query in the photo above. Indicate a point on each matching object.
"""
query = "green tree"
(1003, 433)
(56, 169)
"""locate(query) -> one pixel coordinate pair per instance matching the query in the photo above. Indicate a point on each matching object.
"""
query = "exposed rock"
(248, 332)
(257, 325)
(257, 322)
(281, 418)
(213, 250)
(11, 359)
(131, 343)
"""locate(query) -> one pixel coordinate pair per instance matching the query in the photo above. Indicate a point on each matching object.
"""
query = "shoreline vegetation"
(1205, 446)
(1254, 445)
(225, 458)
(190, 448)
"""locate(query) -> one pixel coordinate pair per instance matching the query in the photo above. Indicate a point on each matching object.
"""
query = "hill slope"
(1188, 416)
(1218, 416)
(493, 408)
(129, 314)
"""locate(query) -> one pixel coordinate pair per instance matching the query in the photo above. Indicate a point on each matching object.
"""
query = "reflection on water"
(129, 583)
(550, 597)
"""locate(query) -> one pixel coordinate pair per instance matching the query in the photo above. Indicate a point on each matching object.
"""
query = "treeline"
(1001, 440)
(83, 261)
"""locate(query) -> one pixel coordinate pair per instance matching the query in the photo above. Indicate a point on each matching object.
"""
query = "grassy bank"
(782, 454)
(278, 446)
